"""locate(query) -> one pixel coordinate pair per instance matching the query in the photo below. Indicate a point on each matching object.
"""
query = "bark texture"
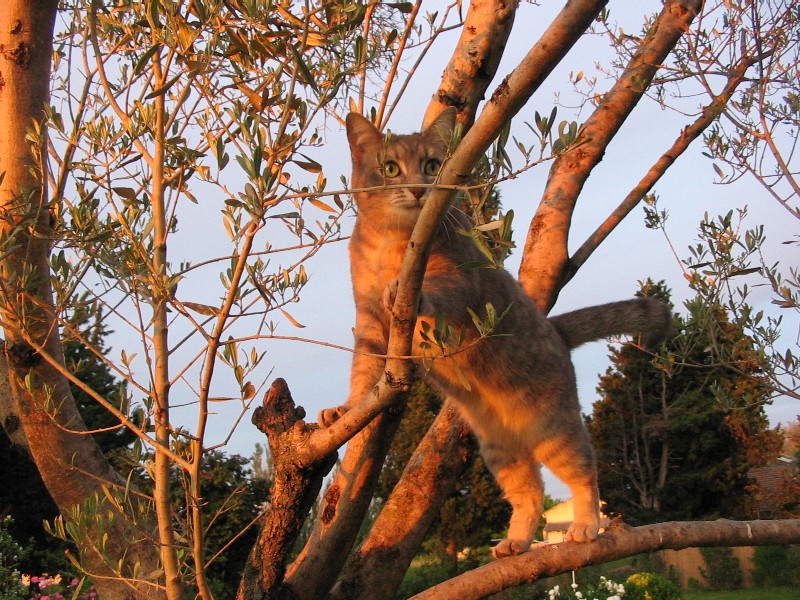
(376, 568)
(296, 486)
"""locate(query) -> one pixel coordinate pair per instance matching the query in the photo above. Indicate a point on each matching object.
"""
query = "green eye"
(391, 169)
(431, 166)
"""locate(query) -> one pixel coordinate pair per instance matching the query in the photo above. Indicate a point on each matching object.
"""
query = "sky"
(318, 375)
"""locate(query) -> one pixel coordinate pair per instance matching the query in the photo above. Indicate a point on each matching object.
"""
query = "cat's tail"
(646, 315)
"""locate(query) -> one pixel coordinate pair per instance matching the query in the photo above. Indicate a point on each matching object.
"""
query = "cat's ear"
(362, 135)
(444, 124)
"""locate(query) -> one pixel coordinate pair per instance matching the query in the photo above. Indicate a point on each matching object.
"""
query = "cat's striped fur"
(520, 395)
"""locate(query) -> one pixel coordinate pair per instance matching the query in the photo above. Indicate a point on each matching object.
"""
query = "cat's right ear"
(362, 135)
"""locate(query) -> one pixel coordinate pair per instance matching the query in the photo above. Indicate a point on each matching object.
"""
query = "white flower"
(578, 595)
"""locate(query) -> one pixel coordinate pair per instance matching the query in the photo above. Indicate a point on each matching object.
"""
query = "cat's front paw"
(510, 548)
(329, 416)
(582, 532)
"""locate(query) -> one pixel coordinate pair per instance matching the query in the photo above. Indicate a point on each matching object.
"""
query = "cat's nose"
(417, 192)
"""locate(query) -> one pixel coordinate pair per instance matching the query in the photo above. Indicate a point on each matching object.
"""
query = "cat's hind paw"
(329, 416)
(510, 547)
(582, 532)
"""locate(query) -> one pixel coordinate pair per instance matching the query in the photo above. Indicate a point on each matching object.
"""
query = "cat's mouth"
(411, 199)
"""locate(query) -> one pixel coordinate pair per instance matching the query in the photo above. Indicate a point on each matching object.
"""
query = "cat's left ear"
(362, 135)
(444, 124)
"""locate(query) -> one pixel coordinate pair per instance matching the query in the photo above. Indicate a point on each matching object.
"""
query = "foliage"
(234, 499)
(676, 433)
(785, 593)
(423, 574)
(83, 339)
(723, 570)
(24, 495)
(11, 555)
(651, 586)
(17, 585)
(776, 566)
(25, 501)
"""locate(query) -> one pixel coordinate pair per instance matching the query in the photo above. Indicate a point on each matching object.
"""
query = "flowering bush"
(17, 586)
(651, 586)
(45, 587)
(605, 589)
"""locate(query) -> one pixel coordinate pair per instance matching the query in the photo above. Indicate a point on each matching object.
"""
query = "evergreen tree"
(676, 433)
(84, 342)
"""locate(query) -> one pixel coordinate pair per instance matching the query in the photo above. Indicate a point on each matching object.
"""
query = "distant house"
(559, 518)
(769, 482)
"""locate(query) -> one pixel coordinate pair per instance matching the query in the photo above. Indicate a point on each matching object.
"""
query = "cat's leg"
(571, 458)
(521, 482)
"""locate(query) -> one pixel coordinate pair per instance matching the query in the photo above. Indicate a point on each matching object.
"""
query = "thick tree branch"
(544, 260)
(376, 569)
(475, 60)
(617, 542)
(344, 506)
(294, 491)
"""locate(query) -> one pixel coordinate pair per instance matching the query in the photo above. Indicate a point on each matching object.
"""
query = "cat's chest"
(375, 262)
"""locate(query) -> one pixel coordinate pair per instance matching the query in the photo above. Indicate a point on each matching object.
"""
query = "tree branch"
(709, 115)
(294, 491)
(617, 542)
(376, 569)
(544, 259)
(475, 60)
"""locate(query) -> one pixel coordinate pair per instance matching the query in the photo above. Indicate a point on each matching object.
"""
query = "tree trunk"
(69, 461)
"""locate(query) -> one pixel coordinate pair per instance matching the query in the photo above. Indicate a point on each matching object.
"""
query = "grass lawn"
(779, 593)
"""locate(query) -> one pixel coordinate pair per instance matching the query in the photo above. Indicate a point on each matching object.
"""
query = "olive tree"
(156, 109)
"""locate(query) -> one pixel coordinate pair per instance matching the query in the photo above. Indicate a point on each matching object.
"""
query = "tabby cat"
(516, 388)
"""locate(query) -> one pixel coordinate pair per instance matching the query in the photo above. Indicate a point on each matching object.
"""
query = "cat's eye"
(391, 169)
(431, 166)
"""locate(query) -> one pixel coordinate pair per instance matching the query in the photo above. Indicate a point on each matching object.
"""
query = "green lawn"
(780, 593)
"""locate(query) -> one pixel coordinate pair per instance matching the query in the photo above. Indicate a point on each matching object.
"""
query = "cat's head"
(396, 172)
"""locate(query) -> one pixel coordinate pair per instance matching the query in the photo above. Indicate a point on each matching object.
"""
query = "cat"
(515, 387)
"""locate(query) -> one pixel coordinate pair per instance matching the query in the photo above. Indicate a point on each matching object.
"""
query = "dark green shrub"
(651, 586)
(776, 566)
(724, 571)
